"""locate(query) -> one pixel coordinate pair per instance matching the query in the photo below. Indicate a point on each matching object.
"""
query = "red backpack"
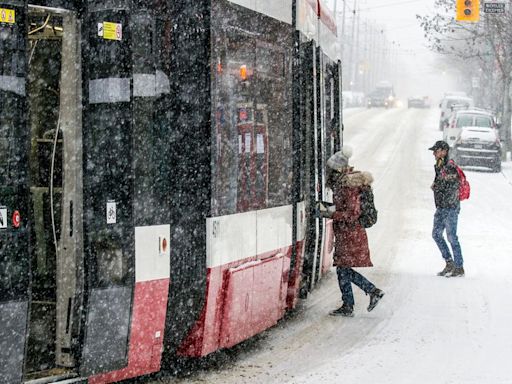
(464, 188)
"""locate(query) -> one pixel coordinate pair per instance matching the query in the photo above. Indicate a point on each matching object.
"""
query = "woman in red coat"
(351, 243)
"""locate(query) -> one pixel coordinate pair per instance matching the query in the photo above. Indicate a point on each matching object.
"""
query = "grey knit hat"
(340, 159)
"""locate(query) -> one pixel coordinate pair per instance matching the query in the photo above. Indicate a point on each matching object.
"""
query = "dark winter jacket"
(446, 185)
(351, 242)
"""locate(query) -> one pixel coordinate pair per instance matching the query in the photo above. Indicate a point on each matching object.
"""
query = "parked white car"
(478, 146)
(467, 118)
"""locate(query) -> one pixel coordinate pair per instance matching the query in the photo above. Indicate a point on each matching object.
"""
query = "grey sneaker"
(375, 295)
(345, 311)
(448, 269)
(456, 272)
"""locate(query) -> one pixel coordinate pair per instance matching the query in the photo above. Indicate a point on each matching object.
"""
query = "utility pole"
(373, 60)
(381, 51)
(352, 43)
(366, 58)
(343, 32)
(355, 72)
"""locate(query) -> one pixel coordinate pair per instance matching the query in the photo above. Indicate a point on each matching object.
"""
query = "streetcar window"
(270, 62)
(110, 264)
(331, 93)
(252, 124)
(328, 99)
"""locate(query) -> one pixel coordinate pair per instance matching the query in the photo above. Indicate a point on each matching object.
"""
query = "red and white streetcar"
(160, 163)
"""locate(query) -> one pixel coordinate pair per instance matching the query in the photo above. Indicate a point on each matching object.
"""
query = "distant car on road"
(478, 146)
(467, 118)
(382, 96)
(418, 102)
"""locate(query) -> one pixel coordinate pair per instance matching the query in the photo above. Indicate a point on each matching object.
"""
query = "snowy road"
(427, 329)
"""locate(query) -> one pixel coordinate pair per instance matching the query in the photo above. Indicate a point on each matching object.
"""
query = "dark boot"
(345, 310)
(448, 269)
(456, 272)
(375, 295)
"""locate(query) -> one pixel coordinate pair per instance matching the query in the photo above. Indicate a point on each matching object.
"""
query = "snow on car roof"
(455, 97)
(474, 112)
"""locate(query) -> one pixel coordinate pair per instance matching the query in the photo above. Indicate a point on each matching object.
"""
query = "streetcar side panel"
(249, 234)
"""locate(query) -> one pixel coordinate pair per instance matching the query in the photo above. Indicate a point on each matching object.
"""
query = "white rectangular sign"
(3, 217)
(111, 212)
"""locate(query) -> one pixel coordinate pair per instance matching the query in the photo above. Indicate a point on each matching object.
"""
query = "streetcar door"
(14, 191)
(55, 192)
(331, 144)
(319, 122)
(312, 128)
(320, 145)
(108, 179)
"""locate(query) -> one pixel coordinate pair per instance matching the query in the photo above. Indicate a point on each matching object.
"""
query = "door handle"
(71, 218)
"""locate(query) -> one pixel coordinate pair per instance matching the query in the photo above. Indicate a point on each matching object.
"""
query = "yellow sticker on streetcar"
(112, 31)
(7, 16)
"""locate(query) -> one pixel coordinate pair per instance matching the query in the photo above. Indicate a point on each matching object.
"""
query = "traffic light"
(468, 10)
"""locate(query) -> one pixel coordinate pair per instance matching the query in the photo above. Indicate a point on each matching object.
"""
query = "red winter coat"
(351, 242)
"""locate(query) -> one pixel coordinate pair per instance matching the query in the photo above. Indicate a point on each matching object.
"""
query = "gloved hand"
(326, 214)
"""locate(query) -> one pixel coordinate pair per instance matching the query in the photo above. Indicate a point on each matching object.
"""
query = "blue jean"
(446, 218)
(347, 276)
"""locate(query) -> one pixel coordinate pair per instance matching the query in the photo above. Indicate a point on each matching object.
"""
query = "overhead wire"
(369, 8)
(390, 5)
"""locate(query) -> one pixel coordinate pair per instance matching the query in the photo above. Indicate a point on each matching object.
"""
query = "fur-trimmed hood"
(356, 179)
